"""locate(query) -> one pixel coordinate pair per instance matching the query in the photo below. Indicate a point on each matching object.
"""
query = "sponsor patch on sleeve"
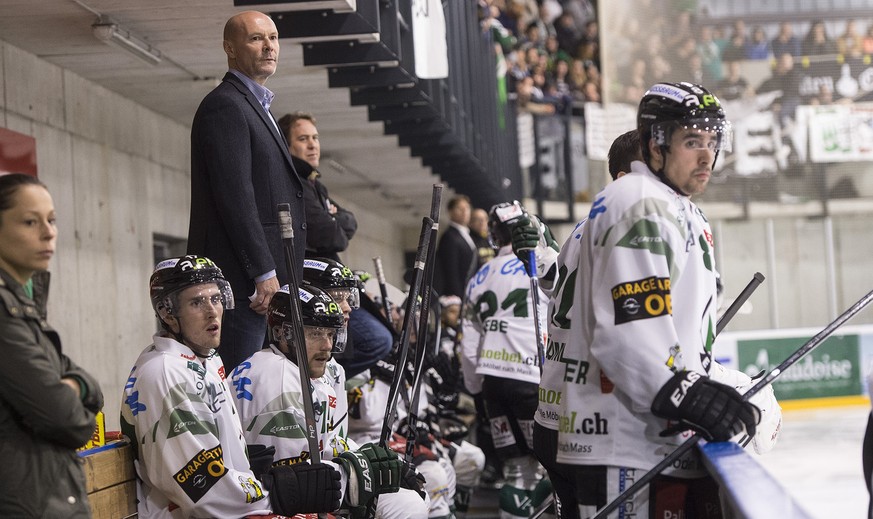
(641, 299)
(201, 473)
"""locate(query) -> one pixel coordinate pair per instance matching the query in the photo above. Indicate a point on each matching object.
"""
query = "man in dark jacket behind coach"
(330, 227)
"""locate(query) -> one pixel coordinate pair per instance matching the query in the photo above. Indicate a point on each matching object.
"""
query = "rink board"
(751, 491)
(836, 370)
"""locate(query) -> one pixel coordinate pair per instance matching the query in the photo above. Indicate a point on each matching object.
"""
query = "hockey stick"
(421, 341)
(403, 348)
(741, 299)
(383, 286)
(287, 230)
(535, 299)
(723, 321)
(792, 359)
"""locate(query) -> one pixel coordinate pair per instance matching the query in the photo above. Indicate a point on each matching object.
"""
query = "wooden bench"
(111, 481)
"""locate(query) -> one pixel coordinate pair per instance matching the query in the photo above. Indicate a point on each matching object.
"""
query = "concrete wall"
(119, 174)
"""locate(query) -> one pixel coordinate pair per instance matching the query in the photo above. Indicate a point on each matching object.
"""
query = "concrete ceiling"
(360, 164)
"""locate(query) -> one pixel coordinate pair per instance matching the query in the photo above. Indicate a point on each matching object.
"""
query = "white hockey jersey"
(643, 302)
(563, 301)
(191, 456)
(499, 336)
(269, 399)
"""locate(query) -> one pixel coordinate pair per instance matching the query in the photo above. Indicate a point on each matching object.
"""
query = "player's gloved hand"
(715, 411)
(525, 236)
(372, 470)
(412, 479)
(383, 370)
(260, 458)
(303, 488)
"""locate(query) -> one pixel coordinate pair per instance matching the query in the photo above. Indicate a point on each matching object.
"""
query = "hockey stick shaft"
(792, 359)
(421, 339)
(287, 230)
(408, 320)
(383, 286)
(535, 300)
(726, 317)
(741, 299)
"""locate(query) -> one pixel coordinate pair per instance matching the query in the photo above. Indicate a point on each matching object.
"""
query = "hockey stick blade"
(792, 359)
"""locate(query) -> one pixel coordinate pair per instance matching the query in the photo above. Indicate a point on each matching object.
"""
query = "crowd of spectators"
(548, 50)
(687, 49)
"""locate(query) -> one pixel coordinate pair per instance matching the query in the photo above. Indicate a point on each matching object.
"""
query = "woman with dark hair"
(48, 405)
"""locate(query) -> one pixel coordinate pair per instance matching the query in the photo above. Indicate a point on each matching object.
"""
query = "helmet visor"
(352, 296)
(714, 134)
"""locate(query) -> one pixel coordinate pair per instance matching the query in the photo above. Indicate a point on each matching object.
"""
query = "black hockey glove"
(383, 370)
(715, 411)
(303, 488)
(260, 458)
(412, 479)
(372, 470)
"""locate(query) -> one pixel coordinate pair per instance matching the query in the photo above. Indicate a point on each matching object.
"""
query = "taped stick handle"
(741, 299)
(383, 286)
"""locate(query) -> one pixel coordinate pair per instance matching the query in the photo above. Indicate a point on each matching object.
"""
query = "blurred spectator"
(710, 54)
(785, 79)
(560, 77)
(636, 82)
(849, 43)
(554, 53)
(867, 40)
(736, 49)
(734, 85)
(534, 36)
(785, 41)
(456, 258)
(567, 32)
(578, 77)
(523, 11)
(591, 91)
(816, 42)
(680, 31)
(531, 99)
(484, 250)
(758, 47)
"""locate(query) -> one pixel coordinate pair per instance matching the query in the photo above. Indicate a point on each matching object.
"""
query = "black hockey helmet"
(500, 217)
(334, 278)
(666, 107)
(176, 274)
(317, 308)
